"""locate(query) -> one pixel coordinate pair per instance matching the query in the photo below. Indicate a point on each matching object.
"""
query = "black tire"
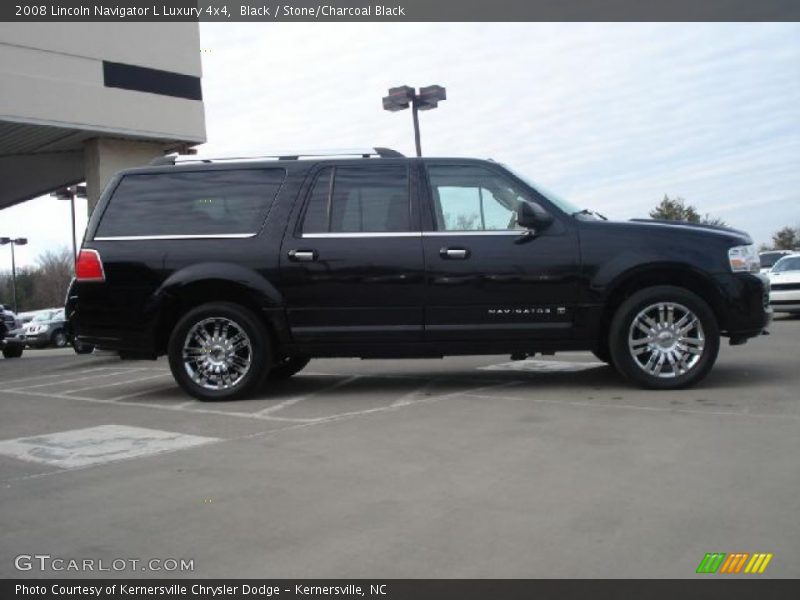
(59, 339)
(695, 349)
(12, 351)
(257, 349)
(81, 348)
(287, 367)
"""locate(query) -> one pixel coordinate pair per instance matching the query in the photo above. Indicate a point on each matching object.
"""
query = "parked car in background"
(11, 342)
(47, 328)
(784, 295)
(768, 258)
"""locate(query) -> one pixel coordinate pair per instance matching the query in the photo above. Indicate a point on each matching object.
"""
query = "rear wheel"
(219, 351)
(290, 365)
(664, 337)
(81, 348)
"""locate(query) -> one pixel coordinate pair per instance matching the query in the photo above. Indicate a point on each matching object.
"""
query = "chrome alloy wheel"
(666, 340)
(217, 353)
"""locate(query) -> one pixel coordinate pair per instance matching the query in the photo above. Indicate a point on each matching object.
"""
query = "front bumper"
(745, 311)
(42, 337)
(785, 300)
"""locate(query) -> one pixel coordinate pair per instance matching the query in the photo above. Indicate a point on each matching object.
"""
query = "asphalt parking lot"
(463, 467)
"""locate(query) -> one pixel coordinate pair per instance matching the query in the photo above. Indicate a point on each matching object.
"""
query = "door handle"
(303, 255)
(454, 253)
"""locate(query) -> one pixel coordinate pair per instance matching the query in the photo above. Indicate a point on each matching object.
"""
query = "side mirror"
(532, 216)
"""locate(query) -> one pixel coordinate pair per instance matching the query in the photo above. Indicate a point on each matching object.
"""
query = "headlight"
(744, 259)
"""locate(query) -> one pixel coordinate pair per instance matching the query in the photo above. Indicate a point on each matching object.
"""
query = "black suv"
(241, 270)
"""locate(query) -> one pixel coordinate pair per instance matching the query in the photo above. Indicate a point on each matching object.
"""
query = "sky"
(611, 116)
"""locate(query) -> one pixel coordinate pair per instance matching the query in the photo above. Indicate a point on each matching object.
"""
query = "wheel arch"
(645, 276)
(216, 282)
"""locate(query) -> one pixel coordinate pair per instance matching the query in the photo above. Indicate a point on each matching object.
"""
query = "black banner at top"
(399, 10)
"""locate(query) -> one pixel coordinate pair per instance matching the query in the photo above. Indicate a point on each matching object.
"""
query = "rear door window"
(359, 200)
(191, 203)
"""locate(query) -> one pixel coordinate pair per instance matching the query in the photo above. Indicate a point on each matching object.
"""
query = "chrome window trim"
(398, 234)
(210, 236)
(475, 232)
(362, 234)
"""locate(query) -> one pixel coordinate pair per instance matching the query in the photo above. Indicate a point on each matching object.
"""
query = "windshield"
(45, 316)
(564, 205)
(790, 263)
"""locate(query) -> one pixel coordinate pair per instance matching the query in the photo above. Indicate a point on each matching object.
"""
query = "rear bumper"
(92, 323)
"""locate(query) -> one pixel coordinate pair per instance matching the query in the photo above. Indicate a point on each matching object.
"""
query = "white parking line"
(296, 399)
(105, 385)
(39, 385)
(40, 377)
(145, 392)
(173, 407)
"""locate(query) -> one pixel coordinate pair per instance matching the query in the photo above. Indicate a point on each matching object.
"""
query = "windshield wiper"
(586, 211)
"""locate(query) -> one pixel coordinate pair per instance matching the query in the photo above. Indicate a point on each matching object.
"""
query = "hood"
(728, 235)
(696, 226)
(735, 237)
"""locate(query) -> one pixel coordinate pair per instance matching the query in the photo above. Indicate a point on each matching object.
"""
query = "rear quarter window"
(190, 203)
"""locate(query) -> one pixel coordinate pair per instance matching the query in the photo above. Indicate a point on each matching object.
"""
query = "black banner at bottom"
(402, 589)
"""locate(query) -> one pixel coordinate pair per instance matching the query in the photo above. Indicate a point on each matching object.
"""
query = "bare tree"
(52, 279)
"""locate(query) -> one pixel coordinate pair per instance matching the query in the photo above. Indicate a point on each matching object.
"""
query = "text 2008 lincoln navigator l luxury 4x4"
(241, 270)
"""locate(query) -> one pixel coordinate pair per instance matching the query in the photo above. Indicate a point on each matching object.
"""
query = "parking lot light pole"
(400, 98)
(70, 193)
(13, 242)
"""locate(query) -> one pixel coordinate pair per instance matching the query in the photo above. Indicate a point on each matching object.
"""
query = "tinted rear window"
(359, 199)
(191, 203)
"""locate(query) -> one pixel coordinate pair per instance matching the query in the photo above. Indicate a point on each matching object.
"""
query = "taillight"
(89, 267)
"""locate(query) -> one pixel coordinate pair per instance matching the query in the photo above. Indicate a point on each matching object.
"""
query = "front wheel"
(664, 337)
(219, 351)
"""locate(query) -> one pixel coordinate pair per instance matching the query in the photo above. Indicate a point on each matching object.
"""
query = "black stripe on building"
(154, 81)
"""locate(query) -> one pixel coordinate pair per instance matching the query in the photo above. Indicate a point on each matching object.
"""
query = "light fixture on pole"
(70, 193)
(14, 242)
(400, 98)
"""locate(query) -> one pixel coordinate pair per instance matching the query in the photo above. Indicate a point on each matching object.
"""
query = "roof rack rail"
(174, 158)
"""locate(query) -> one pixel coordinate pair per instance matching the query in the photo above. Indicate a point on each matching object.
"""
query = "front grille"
(785, 286)
(785, 302)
